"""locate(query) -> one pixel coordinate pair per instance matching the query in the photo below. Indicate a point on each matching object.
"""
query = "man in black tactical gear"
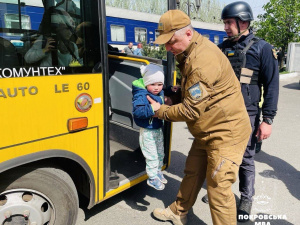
(255, 64)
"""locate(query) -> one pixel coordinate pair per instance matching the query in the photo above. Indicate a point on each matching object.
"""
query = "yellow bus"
(66, 124)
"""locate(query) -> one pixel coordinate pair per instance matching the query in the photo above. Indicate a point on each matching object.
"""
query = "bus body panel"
(81, 147)
(37, 110)
(42, 106)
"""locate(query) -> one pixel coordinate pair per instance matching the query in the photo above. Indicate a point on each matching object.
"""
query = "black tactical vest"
(237, 60)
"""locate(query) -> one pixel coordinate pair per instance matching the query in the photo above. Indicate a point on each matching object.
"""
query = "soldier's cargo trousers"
(220, 169)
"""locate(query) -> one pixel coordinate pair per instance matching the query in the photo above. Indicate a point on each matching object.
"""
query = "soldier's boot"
(258, 147)
(168, 215)
(244, 210)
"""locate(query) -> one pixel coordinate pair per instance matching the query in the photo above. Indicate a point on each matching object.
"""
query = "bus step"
(114, 179)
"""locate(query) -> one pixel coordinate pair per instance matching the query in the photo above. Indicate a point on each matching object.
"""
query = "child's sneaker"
(161, 177)
(156, 183)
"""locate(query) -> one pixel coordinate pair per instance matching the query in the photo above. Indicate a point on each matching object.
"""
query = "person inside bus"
(89, 51)
(151, 134)
(8, 54)
(54, 46)
(69, 6)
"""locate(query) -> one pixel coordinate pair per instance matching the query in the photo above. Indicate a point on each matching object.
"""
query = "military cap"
(169, 23)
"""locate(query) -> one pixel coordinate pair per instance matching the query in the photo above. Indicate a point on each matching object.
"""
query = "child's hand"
(175, 88)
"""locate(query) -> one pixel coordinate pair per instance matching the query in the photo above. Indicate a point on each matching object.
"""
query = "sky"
(256, 5)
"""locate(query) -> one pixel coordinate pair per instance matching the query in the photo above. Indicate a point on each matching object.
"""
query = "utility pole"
(189, 4)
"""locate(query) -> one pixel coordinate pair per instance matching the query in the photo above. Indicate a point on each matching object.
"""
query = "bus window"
(140, 34)
(117, 33)
(47, 34)
(12, 21)
(216, 39)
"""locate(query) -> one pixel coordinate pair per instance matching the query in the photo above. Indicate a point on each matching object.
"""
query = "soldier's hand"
(264, 131)
(155, 105)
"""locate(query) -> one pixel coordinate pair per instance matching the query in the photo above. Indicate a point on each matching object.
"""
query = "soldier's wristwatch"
(268, 121)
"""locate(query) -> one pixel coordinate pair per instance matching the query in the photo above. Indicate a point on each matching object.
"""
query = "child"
(151, 134)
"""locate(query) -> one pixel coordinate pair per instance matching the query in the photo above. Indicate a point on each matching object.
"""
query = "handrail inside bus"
(129, 58)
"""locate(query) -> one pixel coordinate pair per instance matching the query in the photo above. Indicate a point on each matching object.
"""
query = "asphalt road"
(277, 176)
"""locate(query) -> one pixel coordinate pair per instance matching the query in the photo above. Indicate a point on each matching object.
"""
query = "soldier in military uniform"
(211, 103)
(255, 64)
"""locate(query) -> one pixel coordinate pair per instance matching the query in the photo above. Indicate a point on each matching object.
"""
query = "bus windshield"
(51, 33)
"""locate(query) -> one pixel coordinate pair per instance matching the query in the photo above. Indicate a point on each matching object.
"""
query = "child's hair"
(152, 74)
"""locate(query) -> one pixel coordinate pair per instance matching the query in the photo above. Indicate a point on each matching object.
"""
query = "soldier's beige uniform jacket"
(211, 101)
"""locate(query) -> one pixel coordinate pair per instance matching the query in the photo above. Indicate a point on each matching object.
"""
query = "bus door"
(126, 163)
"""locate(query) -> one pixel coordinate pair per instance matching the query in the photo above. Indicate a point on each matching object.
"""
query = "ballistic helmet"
(241, 10)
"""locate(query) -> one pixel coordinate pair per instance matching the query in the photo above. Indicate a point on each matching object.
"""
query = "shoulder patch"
(197, 92)
(230, 53)
(274, 53)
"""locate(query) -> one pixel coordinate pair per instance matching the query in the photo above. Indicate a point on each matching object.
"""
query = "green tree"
(158, 52)
(148, 6)
(209, 11)
(280, 24)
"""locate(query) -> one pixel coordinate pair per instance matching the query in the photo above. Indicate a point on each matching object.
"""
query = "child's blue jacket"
(142, 110)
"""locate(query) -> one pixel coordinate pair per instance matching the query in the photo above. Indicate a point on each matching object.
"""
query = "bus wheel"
(43, 196)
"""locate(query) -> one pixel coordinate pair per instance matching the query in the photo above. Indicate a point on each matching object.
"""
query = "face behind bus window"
(45, 35)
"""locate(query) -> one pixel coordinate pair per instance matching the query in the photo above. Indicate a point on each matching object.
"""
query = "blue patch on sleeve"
(195, 91)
